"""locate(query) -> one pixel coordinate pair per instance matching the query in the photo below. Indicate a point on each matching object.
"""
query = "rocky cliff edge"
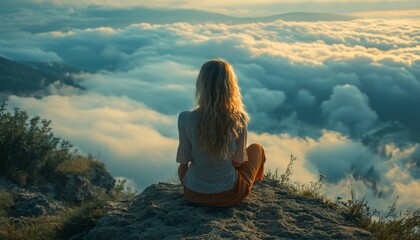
(270, 212)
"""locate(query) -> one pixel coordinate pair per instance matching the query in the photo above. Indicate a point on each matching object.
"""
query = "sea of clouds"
(342, 96)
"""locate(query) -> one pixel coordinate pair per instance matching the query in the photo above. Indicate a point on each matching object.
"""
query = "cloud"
(336, 156)
(263, 99)
(342, 96)
(348, 166)
(278, 149)
(148, 83)
(348, 111)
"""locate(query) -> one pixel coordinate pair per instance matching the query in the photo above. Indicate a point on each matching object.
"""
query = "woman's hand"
(235, 163)
(182, 169)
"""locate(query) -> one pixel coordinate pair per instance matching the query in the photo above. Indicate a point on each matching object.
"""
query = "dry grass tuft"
(63, 226)
(6, 201)
(78, 166)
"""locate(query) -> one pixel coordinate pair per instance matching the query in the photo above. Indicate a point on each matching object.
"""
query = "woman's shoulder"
(185, 113)
(188, 115)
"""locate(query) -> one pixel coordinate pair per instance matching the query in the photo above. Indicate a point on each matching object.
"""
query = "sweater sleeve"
(183, 154)
(240, 154)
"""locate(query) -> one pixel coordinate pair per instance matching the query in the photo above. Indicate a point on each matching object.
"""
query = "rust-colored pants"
(248, 173)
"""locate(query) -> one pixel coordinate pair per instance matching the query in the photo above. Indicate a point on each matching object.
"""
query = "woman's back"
(207, 173)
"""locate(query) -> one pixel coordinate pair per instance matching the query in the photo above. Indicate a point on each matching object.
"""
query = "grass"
(405, 226)
(79, 166)
(74, 220)
(312, 190)
(6, 201)
(82, 218)
(383, 226)
(402, 226)
(121, 191)
(31, 229)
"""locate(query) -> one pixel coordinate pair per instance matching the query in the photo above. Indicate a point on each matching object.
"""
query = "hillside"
(270, 212)
(55, 69)
(307, 17)
(18, 78)
(124, 17)
(28, 77)
(48, 190)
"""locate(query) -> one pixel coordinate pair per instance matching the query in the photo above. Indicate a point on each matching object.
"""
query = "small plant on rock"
(285, 177)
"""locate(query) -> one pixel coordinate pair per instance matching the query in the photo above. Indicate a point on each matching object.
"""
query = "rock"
(270, 212)
(80, 188)
(77, 189)
(34, 205)
(100, 177)
(9, 186)
(28, 202)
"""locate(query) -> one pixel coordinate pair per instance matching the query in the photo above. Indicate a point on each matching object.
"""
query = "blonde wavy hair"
(222, 113)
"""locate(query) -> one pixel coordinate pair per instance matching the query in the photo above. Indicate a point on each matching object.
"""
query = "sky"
(239, 7)
(341, 95)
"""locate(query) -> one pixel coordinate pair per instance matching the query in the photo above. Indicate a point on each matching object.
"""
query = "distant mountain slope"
(27, 77)
(118, 18)
(125, 16)
(60, 71)
(53, 68)
(307, 17)
(18, 78)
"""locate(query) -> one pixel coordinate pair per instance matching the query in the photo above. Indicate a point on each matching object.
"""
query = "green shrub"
(28, 148)
(31, 154)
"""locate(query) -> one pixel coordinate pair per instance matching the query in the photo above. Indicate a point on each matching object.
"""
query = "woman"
(216, 168)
